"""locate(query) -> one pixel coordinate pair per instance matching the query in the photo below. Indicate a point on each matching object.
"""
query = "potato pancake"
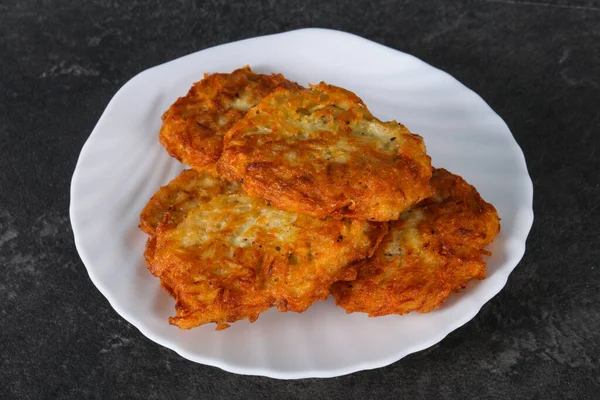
(433, 249)
(319, 151)
(193, 127)
(225, 256)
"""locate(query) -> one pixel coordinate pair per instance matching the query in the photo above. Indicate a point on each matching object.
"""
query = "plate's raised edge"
(521, 234)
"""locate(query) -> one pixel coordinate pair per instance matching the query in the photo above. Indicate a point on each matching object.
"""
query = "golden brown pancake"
(432, 250)
(319, 151)
(225, 256)
(194, 126)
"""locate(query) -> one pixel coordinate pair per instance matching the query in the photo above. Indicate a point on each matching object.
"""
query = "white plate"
(122, 164)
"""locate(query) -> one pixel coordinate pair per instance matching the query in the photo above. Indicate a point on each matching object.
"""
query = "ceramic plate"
(122, 164)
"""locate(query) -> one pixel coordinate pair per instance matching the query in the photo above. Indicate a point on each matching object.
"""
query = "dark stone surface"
(538, 66)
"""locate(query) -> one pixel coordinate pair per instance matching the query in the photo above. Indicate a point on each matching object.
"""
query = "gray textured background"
(536, 63)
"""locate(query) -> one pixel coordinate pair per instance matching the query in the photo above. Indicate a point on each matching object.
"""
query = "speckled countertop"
(537, 63)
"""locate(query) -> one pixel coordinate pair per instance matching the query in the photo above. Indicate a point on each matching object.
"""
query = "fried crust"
(181, 195)
(432, 250)
(321, 152)
(226, 256)
(194, 126)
